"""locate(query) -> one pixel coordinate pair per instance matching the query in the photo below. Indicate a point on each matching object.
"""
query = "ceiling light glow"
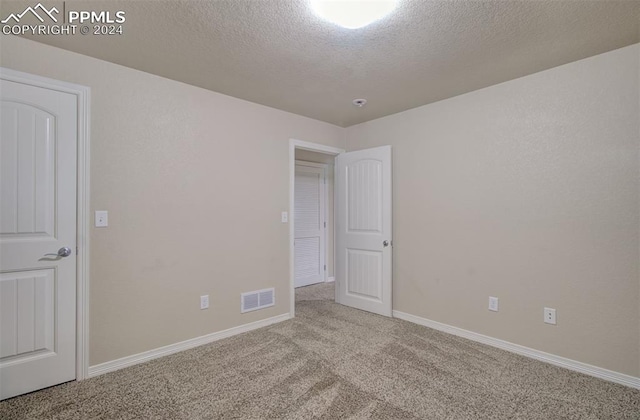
(353, 14)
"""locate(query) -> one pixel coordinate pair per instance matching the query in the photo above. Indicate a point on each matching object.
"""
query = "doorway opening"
(313, 219)
(311, 227)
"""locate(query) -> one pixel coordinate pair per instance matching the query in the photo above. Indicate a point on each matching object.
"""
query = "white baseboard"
(574, 365)
(181, 346)
(331, 279)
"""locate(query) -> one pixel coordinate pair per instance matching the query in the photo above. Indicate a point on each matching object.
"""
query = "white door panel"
(309, 225)
(38, 140)
(27, 300)
(363, 229)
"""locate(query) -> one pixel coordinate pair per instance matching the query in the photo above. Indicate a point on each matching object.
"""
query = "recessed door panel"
(27, 314)
(28, 171)
(364, 192)
(364, 274)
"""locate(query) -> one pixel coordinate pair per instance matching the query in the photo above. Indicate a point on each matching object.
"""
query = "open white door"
(363, 229)
(38, 140)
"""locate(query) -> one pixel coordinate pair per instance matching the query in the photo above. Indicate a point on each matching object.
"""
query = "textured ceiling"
(277, 53)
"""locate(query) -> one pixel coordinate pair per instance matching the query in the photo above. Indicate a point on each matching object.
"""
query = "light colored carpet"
(321, 291)
(334, 362)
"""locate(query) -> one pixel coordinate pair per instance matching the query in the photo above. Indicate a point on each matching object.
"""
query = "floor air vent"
(259, 299)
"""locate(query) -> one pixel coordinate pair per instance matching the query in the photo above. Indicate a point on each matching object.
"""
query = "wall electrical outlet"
(204, 302)
(493, 303)
(284, 217)
(550, 316)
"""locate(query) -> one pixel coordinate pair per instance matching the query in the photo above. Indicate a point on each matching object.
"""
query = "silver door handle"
(65, 251)
(385, 244)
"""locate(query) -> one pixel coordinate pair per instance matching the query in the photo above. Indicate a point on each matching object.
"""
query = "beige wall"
(527, 191)
(316, 157)
(194, 182)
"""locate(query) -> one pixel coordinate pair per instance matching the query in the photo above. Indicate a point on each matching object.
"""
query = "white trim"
(324, 166)
(146, 356)
(598, 372)
(325, 196)
(331, 279)
(313, 147)
(83, 95)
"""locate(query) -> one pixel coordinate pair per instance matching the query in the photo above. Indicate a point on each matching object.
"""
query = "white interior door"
(363, 229)
(309, 224)
(38, 136)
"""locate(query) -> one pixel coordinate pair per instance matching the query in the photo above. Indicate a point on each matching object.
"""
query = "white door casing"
(363, 230)
(294, 145)
(38, 164)
(310, 223)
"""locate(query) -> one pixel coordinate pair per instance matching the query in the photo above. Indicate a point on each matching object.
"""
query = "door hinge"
(325, 267)
(325, 225)
(76, 250)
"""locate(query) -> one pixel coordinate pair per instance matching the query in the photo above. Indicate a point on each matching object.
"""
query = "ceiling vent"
(260, 299)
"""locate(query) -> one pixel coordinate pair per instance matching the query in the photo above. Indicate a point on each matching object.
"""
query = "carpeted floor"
(334, 362)
(321, 291)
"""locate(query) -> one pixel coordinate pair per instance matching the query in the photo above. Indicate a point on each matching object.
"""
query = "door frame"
(312, 147)
(83, 220)
(325, 198)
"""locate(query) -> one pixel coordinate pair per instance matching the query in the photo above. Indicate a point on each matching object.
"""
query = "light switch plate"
(204, 302)
(102, 218)
(284, 217)
(493, 303)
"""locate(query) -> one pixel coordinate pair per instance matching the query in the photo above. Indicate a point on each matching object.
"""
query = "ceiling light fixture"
(353, 14)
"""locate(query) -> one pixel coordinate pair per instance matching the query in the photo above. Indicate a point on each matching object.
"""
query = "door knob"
(65, 251)
(385, 244)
